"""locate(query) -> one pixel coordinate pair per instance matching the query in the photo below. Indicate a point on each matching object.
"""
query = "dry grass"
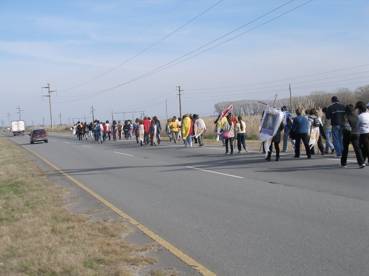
(38, 236)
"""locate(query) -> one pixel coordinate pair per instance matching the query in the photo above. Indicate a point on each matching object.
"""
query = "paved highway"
(237, 215)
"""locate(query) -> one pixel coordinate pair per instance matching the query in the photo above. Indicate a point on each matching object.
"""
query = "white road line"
(349, 160)
(67, 143)
(125, 154)
(215, 172)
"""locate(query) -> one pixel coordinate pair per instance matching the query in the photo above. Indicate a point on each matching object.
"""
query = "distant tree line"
(318, 99)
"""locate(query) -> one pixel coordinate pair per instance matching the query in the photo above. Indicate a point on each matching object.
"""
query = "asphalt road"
(237, 215)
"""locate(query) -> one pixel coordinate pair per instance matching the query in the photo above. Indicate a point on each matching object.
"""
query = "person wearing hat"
(336, 113)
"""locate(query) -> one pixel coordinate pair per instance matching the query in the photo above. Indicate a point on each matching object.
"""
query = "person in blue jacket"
(300, 129)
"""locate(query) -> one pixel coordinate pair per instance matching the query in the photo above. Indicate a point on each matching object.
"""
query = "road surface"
(237, 215)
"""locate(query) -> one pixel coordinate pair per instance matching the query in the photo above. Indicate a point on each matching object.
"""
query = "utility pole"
(180, 100)
(43, 121)
(49, 91)
(290, 97)
(8, 115)
(60, 119)
(93, 113)
(166, 108)
(19, 112)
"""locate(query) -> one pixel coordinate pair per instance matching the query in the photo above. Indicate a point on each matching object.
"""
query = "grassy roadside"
(38, 236)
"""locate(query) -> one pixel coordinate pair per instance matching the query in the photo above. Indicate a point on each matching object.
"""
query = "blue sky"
(69, 42)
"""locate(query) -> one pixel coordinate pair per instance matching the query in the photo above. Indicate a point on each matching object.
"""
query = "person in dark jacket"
(275, 141)
(300, 128)
(351, 134)
(336, 113)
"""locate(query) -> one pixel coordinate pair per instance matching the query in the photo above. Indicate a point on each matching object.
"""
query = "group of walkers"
(338, 124)
(341, 126)
(102, 131)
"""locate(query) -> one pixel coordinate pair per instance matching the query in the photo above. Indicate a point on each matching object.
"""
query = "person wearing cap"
(336, 113)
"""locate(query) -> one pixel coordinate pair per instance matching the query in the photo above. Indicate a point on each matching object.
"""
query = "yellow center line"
(167, 245)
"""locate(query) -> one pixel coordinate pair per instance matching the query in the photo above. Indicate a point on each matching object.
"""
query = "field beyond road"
(39, 236)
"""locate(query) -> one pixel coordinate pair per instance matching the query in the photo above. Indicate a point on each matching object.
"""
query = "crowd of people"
(338, 125)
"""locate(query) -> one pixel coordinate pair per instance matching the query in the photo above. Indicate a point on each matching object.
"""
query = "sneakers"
(362, 166)
(343, 166)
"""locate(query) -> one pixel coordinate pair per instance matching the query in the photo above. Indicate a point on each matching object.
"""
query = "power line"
(152, 45)
(276, 85)
(179, 59)
(283, 80)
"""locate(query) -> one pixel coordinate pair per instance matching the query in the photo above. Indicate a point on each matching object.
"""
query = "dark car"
(38, 135)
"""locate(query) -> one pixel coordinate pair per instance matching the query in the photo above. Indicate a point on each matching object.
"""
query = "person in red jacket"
(147, 123)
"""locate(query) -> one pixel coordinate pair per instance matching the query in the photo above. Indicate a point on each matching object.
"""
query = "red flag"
(226, 111)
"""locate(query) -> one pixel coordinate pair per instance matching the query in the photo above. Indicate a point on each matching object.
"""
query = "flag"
(226, 111)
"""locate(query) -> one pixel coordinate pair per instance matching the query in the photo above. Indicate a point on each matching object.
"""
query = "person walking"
(287, 127)
(186, 129)
(167, 130)
(316, 125)
(241, 134)
(336, 113)
(199, 129)
(275, 141)
(300, 129)
(141, 132)
(147, 124)
(327, 128)
(158, 129)
(351, 134)
(228, 133)
(114, 130)
(153, 131)
(119, 130)
(363, 128)
(174, 129)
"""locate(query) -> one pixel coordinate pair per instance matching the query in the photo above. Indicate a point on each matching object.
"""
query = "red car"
(38, 135)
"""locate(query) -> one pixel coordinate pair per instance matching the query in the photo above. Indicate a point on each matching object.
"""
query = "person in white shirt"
(241, 134)
(363, 128)
(199, 129)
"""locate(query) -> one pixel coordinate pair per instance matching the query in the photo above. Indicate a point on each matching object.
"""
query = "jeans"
(229, 141)
(364, 143)
(354, 140)
(304, 137)
(188, 141)
(241, 141)
(337, 139)
(328, 140)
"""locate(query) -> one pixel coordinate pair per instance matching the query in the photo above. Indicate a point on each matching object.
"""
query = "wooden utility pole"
(49, 92)
(93, 113)
(60, 119)
(166, 108)
(180, 100)
(19, 112)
